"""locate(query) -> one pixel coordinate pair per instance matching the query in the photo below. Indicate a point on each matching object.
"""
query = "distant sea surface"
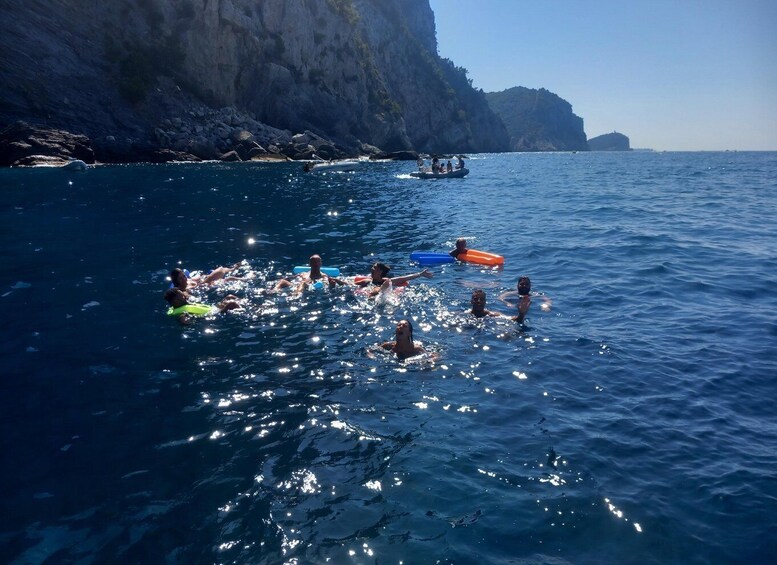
(632, 420)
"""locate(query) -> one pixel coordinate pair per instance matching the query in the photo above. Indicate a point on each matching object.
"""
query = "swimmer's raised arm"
(523, 308)
(405, 278)
(507, 296)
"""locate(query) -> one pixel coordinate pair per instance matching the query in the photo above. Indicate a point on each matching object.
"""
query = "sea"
(630, 420)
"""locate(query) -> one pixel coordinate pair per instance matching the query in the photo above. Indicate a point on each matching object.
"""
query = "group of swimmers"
(178, 296)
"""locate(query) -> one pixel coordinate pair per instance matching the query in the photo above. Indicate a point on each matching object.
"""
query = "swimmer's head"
(461, 243)
(478, 298)
(315, 261)
(524, 286)
(381, 269)
(175, 297)
(404, 328)
(178, 278)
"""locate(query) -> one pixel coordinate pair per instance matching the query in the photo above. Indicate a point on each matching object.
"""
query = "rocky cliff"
(538, 120)
(178, 78)
(610, 142)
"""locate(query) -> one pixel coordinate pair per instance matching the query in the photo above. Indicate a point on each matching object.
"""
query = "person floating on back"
(184, 282)
(186, 311)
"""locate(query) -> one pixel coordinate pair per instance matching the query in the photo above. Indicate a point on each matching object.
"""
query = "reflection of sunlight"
(373, 485)
(494, 475)
(304, 480)
(555, 480)
(618, 513)
(365, 549)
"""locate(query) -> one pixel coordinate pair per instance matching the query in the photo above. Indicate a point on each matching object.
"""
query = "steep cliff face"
(538, 120)
(352, 70)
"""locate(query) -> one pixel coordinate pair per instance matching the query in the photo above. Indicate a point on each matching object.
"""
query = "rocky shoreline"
(204, 134)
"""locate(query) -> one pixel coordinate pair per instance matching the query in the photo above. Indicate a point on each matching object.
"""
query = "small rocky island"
(610, 142)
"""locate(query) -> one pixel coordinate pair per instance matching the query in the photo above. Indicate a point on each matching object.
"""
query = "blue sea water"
(632, 422)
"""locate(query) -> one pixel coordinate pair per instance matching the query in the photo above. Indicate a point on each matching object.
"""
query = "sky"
(672, 75)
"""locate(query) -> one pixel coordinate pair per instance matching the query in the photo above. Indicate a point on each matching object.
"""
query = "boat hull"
(333, 166)
(454, 174)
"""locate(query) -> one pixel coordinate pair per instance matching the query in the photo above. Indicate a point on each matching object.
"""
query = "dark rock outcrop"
(538, 120)
(149, 79)
(23, 144)
(610, 142)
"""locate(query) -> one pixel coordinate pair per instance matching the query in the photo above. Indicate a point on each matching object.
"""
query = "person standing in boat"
(435, 164)
(449, 167)
(460, 162)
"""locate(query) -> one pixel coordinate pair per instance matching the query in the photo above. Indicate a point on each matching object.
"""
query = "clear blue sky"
(671, 74)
